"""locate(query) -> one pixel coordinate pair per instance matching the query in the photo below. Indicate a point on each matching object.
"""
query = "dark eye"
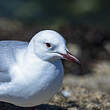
(48, 45)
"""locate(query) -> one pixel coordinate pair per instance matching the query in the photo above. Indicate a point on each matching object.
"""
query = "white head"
(50, 45)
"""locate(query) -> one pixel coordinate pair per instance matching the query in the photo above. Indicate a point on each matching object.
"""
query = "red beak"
(70, 57)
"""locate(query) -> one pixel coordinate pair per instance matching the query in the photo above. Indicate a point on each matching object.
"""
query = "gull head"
(50, 46)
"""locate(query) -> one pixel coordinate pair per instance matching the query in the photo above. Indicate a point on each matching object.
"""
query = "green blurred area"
(56, 12)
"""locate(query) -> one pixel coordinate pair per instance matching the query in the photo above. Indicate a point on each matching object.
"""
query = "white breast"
(40, 81)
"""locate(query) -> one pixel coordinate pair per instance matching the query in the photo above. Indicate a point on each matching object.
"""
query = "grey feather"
(8, 50)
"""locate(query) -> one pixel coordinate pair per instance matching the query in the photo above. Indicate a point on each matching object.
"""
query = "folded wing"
(8, 51)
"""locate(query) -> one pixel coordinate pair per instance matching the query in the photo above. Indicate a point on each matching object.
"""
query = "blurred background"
(85, 24)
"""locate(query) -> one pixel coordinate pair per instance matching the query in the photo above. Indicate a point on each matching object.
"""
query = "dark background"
(56, 12)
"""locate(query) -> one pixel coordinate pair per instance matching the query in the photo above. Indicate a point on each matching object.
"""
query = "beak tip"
(78, 62)
(70, 57)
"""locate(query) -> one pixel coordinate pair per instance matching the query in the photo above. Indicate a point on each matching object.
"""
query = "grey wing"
(8, 50)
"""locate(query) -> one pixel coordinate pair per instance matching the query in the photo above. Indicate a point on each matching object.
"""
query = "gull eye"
(48, 45)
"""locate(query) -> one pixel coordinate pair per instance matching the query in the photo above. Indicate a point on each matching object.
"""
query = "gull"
(31, 73)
